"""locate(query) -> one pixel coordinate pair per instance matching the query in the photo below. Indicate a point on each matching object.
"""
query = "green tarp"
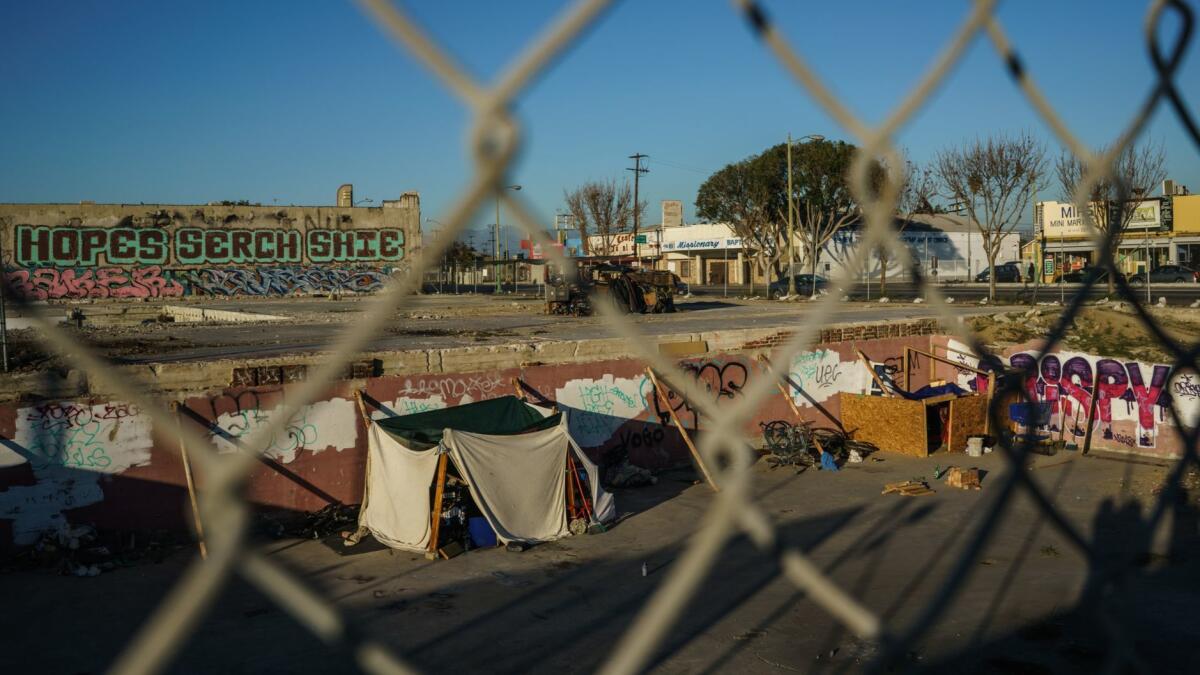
(502, 416)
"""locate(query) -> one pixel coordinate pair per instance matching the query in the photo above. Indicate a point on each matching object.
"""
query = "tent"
(513, 457)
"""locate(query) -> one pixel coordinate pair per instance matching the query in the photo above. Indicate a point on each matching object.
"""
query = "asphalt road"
(1176, 294)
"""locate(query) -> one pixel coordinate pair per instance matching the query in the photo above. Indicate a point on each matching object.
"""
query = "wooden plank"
(687, 439)
(968, 415)
(191, 485)
(438, 493)
(892, 424)
(1091, 418)
(874, 375)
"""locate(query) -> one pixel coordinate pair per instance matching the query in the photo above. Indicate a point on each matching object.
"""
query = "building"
(1162, 230)
(88, 250)
(946, 247)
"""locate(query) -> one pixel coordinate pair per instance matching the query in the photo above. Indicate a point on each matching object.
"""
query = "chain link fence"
(494, 138)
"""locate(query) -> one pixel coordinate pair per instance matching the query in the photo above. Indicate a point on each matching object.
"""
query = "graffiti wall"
(1133, 398)
(65, 252)
(101, 463)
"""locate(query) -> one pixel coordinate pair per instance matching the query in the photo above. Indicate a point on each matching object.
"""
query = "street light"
(497, 247)
(436, 233)
(791, 287)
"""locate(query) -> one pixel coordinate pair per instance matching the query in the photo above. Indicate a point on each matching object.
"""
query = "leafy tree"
(752, 196)
(994, 177)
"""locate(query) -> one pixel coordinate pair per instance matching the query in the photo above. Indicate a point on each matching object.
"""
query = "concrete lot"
(561, 607)
(130, 332)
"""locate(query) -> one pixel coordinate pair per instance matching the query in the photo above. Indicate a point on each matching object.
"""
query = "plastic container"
(482, 534)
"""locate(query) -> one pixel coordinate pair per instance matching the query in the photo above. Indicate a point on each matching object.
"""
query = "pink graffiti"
(49, 283)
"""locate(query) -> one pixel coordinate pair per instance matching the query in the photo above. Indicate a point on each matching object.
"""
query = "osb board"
(892, 424)
(968, 416)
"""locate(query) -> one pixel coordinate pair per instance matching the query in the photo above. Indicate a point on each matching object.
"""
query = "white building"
(946, 247)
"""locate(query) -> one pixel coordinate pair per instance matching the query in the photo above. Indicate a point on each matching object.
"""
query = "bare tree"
(995, 178)
(603, 209)
(917, 194)
(1114, 198)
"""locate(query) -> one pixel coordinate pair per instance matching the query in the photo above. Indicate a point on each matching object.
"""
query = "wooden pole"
(904, 363)
(517, 386)
(1091, 418)
(874, 375)
(991, 393)
(436, 516)
(191, 485)
(662, 397)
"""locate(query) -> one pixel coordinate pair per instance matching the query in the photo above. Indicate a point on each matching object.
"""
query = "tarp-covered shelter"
(512, 455)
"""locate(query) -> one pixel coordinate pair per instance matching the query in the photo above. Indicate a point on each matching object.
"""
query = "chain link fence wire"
(494, 138)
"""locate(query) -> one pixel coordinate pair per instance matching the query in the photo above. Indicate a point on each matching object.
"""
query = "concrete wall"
(1132, 409)
(66, 251)
(85, 457)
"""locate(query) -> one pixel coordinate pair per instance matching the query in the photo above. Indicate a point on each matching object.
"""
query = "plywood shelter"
(512, 455)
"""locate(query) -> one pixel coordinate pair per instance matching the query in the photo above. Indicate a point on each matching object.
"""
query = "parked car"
(804, 286)
(1005, 272)
(1167, 274)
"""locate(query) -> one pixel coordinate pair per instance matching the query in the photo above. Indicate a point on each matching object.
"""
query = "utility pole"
(791, 287)
(637, 174)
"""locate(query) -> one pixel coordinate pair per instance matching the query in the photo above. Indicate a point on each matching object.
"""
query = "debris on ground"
(82, 551)
(627, 475)
(802, 445)
(908, 488)
(965, 479)
(334, 518)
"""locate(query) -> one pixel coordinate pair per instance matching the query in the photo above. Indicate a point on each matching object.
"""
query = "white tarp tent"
(518, 481)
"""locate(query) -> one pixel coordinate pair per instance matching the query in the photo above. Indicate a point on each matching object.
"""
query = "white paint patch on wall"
(316, 427)
(961, 353)
(597, 408)
(69, 446)
(822, 373)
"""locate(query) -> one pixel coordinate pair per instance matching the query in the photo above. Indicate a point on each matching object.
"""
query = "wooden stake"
(991, 392)
(191, 485)
(437, 507)
(904, 364)
(517, 385)
(1091, 418)
(662, 397)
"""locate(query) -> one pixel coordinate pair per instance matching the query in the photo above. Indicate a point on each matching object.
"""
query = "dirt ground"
(1029, 601)
(1100, 329)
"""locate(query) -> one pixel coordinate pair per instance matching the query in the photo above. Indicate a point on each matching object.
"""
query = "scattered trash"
(854, 457)
(516, 547)
(949, 300)
(626, 475)
(1050, 552)
(975, 446)
(965, 479)
(800, 445)
(827, 462)
(645, 570)
(1162, 301)
(884, 300)
(937, 472)
(917, 301)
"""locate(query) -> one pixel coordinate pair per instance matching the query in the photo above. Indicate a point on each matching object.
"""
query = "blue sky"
(140, 100)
